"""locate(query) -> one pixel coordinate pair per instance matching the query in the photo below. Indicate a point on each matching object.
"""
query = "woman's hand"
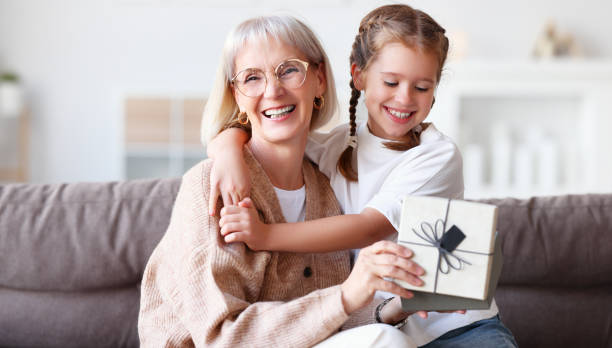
(384, 259)
(229, 178)
(240, 223)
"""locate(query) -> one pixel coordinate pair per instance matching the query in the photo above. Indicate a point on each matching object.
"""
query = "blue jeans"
(482, 334)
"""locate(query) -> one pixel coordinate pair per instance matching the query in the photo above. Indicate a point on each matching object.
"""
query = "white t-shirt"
(433, 168)
(292, 203)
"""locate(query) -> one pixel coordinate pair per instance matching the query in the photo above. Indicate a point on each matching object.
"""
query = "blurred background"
(113, 90)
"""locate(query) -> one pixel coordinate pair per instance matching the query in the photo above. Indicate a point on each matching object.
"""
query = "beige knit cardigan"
(198, 290)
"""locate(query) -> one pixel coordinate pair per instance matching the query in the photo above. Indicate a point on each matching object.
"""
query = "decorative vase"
(11, 101)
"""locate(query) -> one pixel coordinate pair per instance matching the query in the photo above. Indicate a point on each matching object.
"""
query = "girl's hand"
(240, 223)
(229, 178)
(384, 259)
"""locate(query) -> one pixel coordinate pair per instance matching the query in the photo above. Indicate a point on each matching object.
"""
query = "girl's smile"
(398, 116)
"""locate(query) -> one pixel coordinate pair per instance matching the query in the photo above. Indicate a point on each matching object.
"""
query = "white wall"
(74, 57)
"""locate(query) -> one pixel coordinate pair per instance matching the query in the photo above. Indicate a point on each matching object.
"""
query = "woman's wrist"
(390, 312)
(348, 302)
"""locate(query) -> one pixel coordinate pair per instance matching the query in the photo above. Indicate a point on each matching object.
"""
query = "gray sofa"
(72, 256)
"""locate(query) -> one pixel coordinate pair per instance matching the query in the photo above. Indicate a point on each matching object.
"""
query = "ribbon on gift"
(445, 243)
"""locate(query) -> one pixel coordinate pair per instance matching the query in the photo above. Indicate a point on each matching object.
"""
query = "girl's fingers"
(422, 314)
(232, 227)
(231, 209)
(227, 218)
(235, 237)
(246, 203)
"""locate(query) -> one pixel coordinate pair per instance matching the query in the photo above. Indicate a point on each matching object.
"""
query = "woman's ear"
(237, 96)
(234, 92)
(357, 77)
(321, 79)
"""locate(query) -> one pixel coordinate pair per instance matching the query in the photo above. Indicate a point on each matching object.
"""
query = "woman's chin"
(284, 130)
(283, 136)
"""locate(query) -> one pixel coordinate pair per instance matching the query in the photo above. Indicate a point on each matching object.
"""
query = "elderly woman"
(275, 80)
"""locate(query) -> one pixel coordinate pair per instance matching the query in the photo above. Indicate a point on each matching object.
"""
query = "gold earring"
(318, 102)
(243, 118)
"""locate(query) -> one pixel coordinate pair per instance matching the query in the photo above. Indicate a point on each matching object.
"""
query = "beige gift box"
(431, 225)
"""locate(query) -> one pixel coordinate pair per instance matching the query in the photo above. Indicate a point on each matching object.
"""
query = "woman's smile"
(279, 113)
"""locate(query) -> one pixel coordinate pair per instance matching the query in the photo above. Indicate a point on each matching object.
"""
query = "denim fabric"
(482, 334)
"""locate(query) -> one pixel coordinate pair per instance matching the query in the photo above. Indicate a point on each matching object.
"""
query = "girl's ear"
(358, 77)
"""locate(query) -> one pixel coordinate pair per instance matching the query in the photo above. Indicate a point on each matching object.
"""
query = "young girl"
(396, 61)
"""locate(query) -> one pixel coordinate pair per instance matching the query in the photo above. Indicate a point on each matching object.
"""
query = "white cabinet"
(161, 135)
(529, 128)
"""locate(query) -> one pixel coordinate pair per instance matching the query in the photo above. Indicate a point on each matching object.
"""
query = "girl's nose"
(404, 95)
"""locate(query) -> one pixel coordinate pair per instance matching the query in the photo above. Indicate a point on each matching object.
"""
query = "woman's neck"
(281, 162)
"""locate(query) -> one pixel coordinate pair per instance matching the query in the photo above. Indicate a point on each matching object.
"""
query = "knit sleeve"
(208, 291)
(362, 316)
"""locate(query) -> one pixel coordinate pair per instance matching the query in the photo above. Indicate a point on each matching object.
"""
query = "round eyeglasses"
(252, 82)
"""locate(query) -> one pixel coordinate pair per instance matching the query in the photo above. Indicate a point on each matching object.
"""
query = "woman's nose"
(274, 88)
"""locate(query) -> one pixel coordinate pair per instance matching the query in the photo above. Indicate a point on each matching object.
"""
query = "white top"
(292, 203)
(433, 168)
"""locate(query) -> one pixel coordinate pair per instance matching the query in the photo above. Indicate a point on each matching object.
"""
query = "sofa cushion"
(81, 236)
(106, 318)
(552, 317)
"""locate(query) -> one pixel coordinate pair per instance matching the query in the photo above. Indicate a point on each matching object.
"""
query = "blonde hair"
(386, 24)
(221, 108)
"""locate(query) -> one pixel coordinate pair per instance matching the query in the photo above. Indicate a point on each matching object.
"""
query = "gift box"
(454, 241)
(435, 302)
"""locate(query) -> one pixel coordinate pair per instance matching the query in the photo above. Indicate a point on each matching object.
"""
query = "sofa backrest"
(72, 257)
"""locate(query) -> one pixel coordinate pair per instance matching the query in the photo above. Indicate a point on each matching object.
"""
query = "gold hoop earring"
(243, 118)
(318, 102)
